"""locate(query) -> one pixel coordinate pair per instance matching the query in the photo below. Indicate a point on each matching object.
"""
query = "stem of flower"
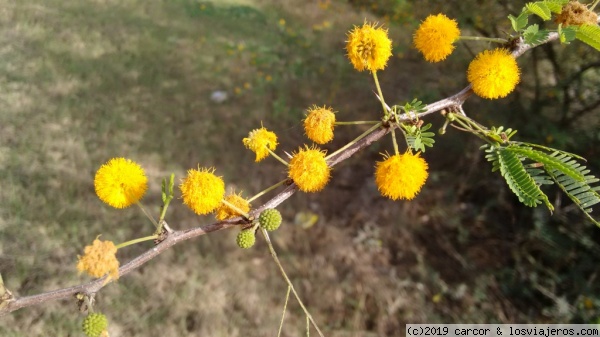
(287, 279)
(235, 208)
(163, 209)
(147, 214)
(481, 38)
(385, 111)
(287, 297)
(356, 122)
(277, 157)
(394, 140)
(132, 242)
(594, 5)
(363, 135)
(265, 191)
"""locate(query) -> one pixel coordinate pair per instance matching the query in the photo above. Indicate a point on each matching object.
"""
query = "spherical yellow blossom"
(575, 13)
(100, 259)
(120, 182)
(319, 124)
(202, 190)
(309, 170)
(369, 47)
(401, 176)
(226, 212)
(259, 140)
(435, 37)
(493, 74)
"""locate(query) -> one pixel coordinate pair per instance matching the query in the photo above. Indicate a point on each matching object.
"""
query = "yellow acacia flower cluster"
(120, 182)
(401, 176)
(202, 191)
(369, 47)
(100, 259)
(493, 74)
(435, 37)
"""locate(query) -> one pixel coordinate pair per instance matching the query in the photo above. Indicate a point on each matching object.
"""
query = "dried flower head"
(120, 182)
(226, 212)
(369, 47)
(493, 74)
(319, 124)
(259, 140)
(575, 13)
(309, 170)
(435, 37)
(202, 190)
(401, 176)
(99, 259)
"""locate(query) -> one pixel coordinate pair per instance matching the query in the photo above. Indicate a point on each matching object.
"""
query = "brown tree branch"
(14, 303)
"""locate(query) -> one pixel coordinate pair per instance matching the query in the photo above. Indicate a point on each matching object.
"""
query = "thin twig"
(287, 297)
(287, 279)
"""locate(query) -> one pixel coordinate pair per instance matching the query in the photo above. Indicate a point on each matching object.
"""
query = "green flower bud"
(94, 324)
(245, 238)
(270, 219)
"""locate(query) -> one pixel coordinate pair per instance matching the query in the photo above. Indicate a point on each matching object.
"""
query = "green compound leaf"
(567, 34)
(519, 180)
(532, 35)
(580, 192)
(520, 22)
(546, 166)
(417, 138)
(539, 8)
(556, 6)
(589, 34)
(557, 160)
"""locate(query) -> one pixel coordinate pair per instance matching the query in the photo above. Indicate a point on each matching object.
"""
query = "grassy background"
(85, 81)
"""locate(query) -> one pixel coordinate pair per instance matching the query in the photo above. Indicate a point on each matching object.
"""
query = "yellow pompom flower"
(369, 47)
(319, 124)
(493, 74)
(202, 190)
(309, 170)
(226, 212)
(99, 259)
(401, 176)
(120, 182)
(435, 37)
(259, 140)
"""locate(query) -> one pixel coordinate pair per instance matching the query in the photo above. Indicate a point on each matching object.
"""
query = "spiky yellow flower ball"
(120, 182)
(259, 140)
(369, 47)
(226, 212)
(493, 74)
(309, 170)
(319, 124)
(401, 176)
(99, 259)
(202, 190)
(435, 37)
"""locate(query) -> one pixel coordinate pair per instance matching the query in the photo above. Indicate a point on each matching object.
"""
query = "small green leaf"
(532, 35)
(556, 6)
(520, 22)
(540, 9)
(589, 34)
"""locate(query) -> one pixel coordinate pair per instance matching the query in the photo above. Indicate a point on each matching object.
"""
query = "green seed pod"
(270, 219)
(245, 238)
(94, 324)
